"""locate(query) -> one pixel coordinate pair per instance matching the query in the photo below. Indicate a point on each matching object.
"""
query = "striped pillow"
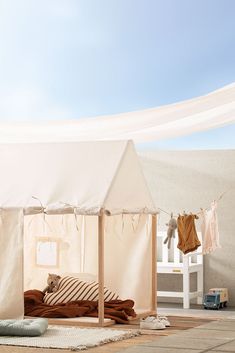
(71, 289)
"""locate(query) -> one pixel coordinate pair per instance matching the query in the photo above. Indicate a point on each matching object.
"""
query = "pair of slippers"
(154, 323)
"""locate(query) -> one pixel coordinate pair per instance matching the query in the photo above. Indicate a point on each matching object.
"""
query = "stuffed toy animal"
(53, 283)
(172, 225)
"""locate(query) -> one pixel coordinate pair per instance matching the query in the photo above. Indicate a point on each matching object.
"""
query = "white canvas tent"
(89, 202)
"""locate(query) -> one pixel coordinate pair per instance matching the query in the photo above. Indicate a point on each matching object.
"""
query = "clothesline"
(162, 210)
(199, 212)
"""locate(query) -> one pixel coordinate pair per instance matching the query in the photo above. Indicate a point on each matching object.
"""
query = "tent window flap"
(47, 252)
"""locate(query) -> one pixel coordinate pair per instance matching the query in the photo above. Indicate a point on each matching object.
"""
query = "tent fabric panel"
(73, 178)
(58, 174)
(128, 258)
(11, 264)
(65, 230)
(129, 190)
(76, 237)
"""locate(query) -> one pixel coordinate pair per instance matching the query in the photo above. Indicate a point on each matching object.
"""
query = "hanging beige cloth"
(210, 111)
(11, 264)
(209, 229)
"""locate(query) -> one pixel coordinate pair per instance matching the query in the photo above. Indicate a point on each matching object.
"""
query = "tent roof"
(87, 176)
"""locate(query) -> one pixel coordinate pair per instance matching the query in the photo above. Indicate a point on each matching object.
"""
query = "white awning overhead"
(79, 177)
(198, 114)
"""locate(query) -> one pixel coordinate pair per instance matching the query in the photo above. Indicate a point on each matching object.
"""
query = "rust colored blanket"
(118, 310)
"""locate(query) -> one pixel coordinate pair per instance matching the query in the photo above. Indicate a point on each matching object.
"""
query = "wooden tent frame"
(101, 320)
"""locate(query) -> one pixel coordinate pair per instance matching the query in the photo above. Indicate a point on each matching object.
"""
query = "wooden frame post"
(101, 268)
(154, 263)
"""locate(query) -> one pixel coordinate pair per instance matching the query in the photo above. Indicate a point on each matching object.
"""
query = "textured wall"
(188, 180)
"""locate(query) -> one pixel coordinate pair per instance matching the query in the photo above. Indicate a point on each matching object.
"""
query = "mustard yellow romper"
(188, 240)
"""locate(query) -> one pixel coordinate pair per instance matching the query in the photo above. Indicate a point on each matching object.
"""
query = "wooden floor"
(177, 324)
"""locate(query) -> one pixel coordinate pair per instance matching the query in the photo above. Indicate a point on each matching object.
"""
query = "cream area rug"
(70, 338)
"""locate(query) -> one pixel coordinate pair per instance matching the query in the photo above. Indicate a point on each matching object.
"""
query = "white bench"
(174, 262)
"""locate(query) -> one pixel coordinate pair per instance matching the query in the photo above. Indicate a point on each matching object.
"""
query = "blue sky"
(66, 59)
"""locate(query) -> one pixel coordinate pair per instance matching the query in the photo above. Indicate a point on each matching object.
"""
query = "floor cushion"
(26, 327)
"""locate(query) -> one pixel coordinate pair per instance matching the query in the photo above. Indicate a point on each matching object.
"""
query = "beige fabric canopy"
(213, 110)
(89, 176)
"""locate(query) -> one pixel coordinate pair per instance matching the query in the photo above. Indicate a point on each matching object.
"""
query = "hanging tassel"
(76, 222)
(122, 223)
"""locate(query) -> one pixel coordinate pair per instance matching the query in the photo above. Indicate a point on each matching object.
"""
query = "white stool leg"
(186, 284)
(200, 285)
